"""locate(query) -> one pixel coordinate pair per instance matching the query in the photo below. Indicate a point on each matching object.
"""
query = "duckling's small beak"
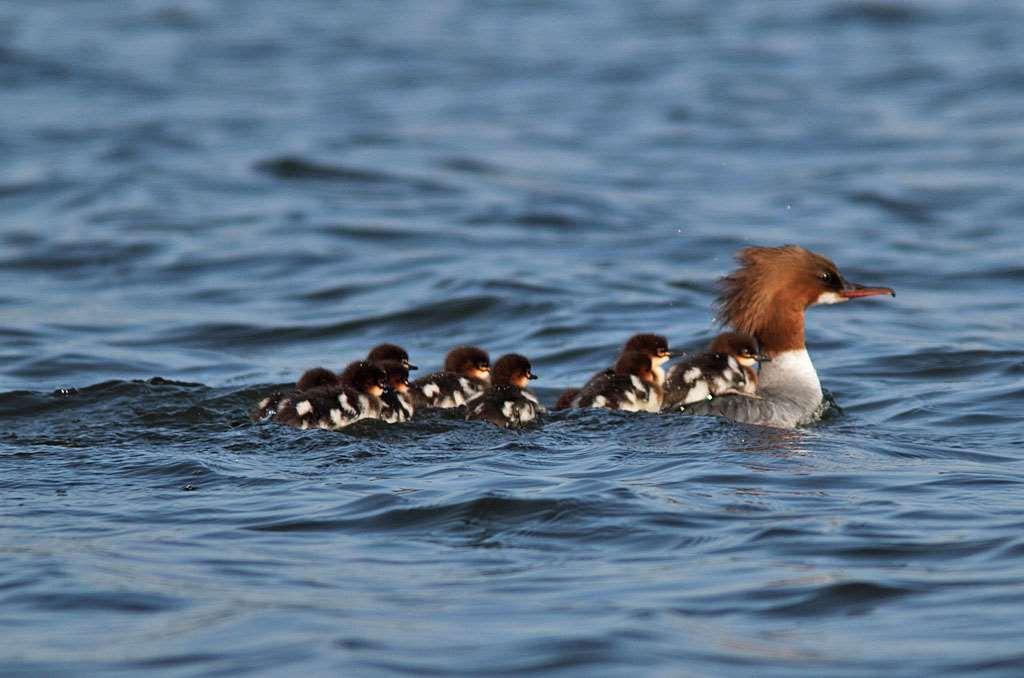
(665, 354)
(408, 365)
(531, 375)
(853, 290)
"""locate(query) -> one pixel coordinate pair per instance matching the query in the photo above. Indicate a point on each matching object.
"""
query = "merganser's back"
(766, 297)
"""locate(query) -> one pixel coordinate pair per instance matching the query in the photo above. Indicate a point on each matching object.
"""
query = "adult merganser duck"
(466, 374)
(653, 345)
(727, 367)
(506, 402)
(632, 387)
(766, 297)
(335, 407)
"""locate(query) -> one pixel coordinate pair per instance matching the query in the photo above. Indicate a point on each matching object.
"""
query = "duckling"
(335, 407)
(745, 349)
(316, 378)
(653, 345)
(506, 402)
(398, 405)
(632, 387)
(320, 377)
(718, 371)
(466, 374)
(566, 397)
(385, 352)
(656, 347)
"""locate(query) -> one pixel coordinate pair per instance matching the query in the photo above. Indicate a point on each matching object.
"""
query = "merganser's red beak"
(853, 290)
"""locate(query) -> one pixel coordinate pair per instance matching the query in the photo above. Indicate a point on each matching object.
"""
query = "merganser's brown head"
(635, 363)
(773, 286)
(512, 369)
(740, 346)
(397, 375)
(469, 361)
(385, 352)
(365, 377)
(653, 345)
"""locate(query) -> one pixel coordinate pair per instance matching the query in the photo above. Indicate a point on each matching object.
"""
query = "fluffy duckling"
(632, 387)
(507, 403)
(398, 405)
(321, 377)
(389, 352)
(744, 348)
(335, 407)
(316, 378)
(466, 374)
(725, 368)
(653, 345)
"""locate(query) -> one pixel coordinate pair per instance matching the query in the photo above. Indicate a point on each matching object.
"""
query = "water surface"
(198, 200)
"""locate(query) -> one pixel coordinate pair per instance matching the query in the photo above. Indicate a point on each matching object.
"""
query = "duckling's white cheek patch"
(830, 298)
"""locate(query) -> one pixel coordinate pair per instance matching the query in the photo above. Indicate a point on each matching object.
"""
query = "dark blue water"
(221, 194)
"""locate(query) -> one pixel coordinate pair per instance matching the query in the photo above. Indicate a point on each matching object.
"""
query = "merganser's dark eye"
(829, 278)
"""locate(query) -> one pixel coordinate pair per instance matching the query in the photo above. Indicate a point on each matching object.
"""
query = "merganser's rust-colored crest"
(773, 286)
